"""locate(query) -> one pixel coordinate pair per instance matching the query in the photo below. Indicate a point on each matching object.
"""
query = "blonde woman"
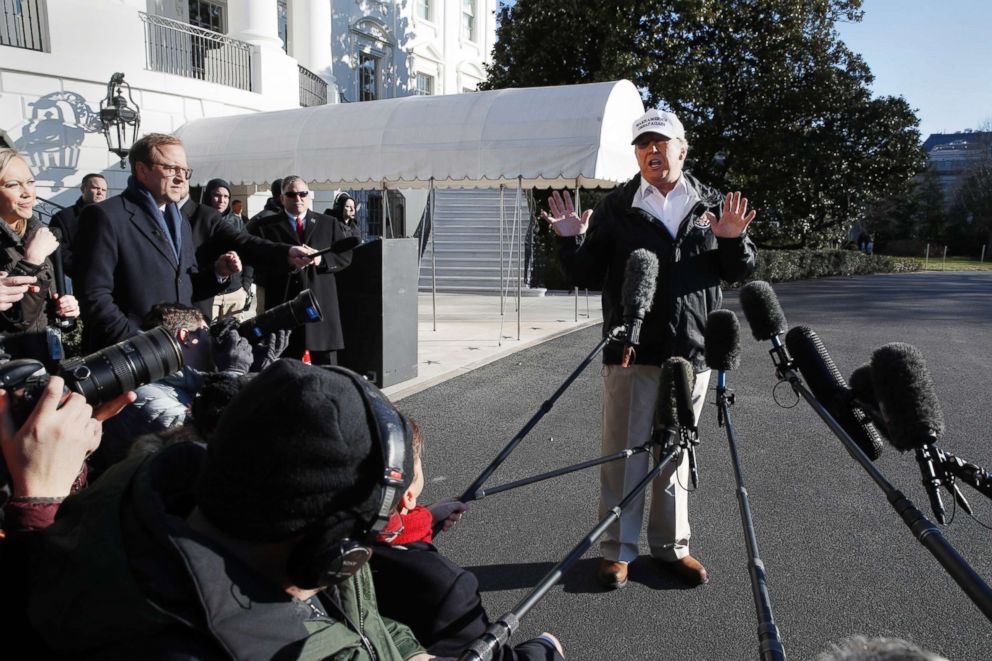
(25, 247)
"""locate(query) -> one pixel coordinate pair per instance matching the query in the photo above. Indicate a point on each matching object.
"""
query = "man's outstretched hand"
(563, 219)
(734, 218)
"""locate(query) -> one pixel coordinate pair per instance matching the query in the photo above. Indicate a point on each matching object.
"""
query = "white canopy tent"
(570, 135)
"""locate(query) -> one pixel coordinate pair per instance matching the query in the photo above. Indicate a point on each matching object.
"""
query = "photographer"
(25, 247)
(167, 403)
(236, 550)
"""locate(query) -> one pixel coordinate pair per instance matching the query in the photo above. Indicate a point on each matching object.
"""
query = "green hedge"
(773, 265)
(785, 265)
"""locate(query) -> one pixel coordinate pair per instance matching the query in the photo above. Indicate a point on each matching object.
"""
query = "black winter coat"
(128, 265)
(439, 601)
(281, 285)
(691, 267)
(30, 313)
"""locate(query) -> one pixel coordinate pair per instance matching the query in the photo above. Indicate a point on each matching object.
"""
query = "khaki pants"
(226, 305)
(629, 399)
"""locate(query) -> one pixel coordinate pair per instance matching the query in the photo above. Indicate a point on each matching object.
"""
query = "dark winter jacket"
(439, 601)
(67, 222)
(691, 267)
(120, 574)
(29, 314)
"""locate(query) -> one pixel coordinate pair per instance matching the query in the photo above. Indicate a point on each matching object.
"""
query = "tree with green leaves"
(774, 103)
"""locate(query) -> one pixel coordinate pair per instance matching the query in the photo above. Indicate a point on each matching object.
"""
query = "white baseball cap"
(660, 122)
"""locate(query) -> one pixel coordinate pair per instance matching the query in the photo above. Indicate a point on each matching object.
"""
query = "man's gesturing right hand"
(563, 219)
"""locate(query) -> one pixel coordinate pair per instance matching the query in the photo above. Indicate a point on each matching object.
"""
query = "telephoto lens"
(119, 368)
(303, 309)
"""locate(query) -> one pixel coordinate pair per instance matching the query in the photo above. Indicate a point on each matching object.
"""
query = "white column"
(254, 21)
(312, 36)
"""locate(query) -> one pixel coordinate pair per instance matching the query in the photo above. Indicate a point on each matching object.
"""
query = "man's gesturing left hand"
(734, 218)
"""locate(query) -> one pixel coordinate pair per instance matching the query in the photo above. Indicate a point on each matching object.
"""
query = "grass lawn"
(952, 264)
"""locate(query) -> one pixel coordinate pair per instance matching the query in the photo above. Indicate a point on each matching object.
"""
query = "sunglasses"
(294, 193)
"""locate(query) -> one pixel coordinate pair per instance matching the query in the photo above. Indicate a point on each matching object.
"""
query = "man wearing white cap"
(670, 213)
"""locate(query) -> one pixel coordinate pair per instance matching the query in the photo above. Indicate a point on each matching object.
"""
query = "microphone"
(906, 396)
(911, 411)
(767, 321)
(674, 406)
(722, 341)
(863, 394)
(57, 262)
(722, 345)
(64, 323)
(640, 279)
(828, 386)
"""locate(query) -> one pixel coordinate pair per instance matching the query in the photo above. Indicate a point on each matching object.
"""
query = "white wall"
(48, 100)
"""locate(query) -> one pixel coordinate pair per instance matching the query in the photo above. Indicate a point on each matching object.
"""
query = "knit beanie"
(211, 186)
(294, 449)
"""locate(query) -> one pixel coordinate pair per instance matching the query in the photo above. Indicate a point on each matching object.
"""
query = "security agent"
(251, 548)
(670, 213)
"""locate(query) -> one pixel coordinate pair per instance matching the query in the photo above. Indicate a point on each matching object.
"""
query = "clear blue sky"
(936, 54)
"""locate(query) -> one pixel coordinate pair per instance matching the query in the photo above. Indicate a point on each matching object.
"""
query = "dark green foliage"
(785, 265)
(773, 102)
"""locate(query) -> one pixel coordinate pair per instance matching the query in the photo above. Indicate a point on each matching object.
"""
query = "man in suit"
(299, 225)
(136, 249)
(94, 190)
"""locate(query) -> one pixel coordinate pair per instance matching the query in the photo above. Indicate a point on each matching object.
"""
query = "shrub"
(785, 265)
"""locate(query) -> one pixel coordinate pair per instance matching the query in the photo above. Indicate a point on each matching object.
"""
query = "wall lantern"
(117, 113)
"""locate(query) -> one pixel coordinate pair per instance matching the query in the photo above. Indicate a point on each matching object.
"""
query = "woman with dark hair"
(25, 246)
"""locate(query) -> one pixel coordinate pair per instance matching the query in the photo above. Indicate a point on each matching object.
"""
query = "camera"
(99, 377)
(302, 309)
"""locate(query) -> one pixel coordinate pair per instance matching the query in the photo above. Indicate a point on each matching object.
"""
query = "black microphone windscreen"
(828, 386)
(906, 396)
(862, 386)
(723, 341)
(761, 309)
(640, 280)
(674, 408)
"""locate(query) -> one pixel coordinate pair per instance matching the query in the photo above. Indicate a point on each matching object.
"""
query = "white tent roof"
(550, 136)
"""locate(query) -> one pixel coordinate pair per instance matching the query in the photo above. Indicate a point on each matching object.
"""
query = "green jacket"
(121, 574)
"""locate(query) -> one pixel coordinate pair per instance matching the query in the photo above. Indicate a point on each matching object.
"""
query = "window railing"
(184, 50)
(20, 24)
(45, 209)
(313, 89)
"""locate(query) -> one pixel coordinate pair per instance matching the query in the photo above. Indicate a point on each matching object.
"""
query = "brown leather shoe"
(612, 575)
(688, 569)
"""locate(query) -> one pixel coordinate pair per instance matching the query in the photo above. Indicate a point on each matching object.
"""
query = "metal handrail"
(45, 209)
(313, 88)
(182, 49)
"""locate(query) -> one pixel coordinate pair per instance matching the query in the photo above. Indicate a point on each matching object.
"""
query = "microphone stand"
(770, 645)
(923, 529)
(499, 632)
(479, 494)
(615, 335)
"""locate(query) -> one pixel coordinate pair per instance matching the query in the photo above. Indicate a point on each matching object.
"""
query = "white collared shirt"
(669, 209)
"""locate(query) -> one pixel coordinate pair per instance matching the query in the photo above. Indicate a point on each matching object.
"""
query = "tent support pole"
(520, 251)
(578, 211)
(502, 277)
(430, 205)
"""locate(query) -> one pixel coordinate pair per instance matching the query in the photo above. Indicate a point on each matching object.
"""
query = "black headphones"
(322, 557)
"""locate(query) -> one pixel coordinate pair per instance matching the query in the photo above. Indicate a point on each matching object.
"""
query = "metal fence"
(45, 209)
(313, 89)
(185, 50)
(20, 24)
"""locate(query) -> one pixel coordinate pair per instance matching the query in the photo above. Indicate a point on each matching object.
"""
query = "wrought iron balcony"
(313, 89)
(184, 50)
(20, 24)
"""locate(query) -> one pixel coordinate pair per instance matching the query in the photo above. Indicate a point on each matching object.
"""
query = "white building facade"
(188, 59)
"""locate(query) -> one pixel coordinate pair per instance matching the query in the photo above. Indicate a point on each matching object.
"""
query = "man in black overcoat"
(136, 249)
(298, 225)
